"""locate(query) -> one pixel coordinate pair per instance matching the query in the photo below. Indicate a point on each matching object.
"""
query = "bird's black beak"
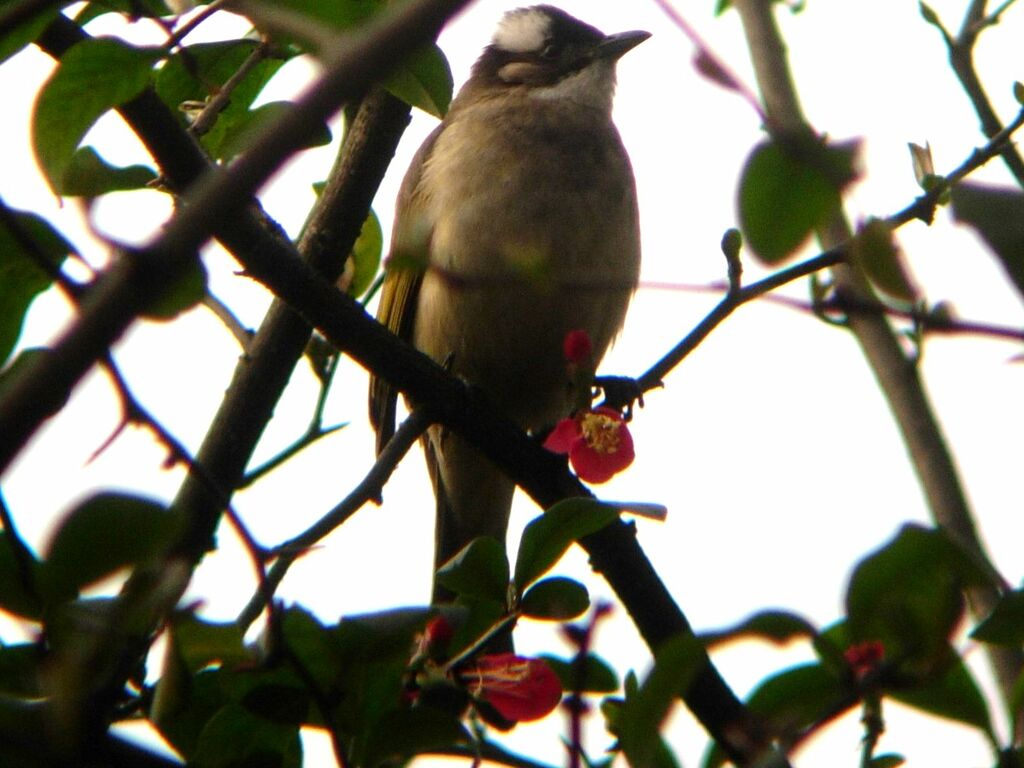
(617, 45)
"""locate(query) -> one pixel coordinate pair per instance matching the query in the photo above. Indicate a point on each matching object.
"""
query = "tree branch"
(897, 376)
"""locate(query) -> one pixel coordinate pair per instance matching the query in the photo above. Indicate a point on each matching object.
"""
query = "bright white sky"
(770, 445)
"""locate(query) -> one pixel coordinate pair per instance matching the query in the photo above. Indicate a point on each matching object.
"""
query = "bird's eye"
(551, 51)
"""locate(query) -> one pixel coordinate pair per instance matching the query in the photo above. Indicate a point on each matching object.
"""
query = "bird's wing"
(410, 242)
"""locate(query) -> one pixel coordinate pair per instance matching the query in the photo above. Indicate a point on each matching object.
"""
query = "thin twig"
(306, 440)
(190, 26)
(369, 489)
(961, 58)
(925, 317)
(204, 121)
(716, 62)
(223, 313)
(923, 207)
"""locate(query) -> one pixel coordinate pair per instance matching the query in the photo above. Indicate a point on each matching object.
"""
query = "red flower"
(865, 657)
(598, 443)
(518, 688)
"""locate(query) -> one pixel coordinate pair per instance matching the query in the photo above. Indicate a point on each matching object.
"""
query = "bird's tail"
(473, 497)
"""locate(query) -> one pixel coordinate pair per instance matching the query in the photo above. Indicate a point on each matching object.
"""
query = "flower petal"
(519, 688)
(562, 437)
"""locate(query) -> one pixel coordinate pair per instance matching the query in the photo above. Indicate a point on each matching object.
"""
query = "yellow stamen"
(601, 432)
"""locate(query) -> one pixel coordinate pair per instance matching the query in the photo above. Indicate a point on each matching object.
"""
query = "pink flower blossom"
(598, 443)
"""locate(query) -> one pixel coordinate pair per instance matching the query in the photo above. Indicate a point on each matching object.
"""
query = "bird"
(516, 223)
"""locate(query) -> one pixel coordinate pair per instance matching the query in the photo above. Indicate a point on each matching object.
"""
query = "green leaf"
(132, 8)
(876, 252)
(237, 130)
(953, 695)
(383, 636)
(785, 193)
(278, 703)
(997, 214)
(201, 643)
(423, 80)
(185, 294)
(16, 596)
(101, 535)
(25, 241)
(546, 538)
(676, 664)
(597, 676)
(198, 71)
(908, 596)
(401, 734)
(92, 77)
(235, 736)
(798, 697)
(1018, 91)
(557, 598)
(27, 717)
(1005, 625)
(89, 175)
(775, 626)
(20, 667)
(24, 33)
(479, 571)
(340, 14)
(366, 255)
(887, 761)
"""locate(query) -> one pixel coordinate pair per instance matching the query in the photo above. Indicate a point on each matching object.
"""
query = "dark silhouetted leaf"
(598, 677)
(557, 598)
(400, 734)
(89, 175)
(479, 571)
(775, 626)
(17, 596)
(1005, 625)
(101, 535)
(997, 214)
(202, 643)
(25, 240)
(235, 737)
(20, 670)
(182, 296)
(638, 727)
(954, 695)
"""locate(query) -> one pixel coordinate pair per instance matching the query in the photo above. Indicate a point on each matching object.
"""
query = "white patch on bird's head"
(523, 30)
